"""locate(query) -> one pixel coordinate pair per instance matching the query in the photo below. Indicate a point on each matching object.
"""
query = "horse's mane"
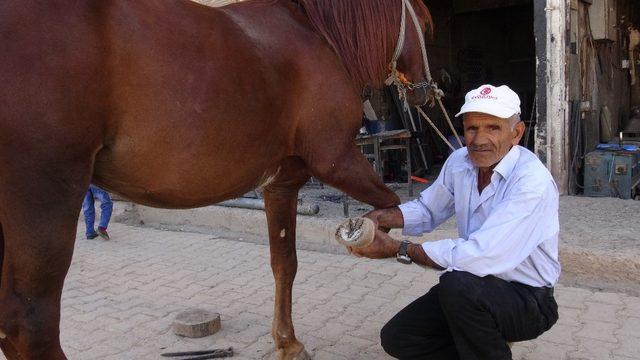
(363, 33)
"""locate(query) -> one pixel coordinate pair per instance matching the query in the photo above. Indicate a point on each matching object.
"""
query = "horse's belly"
(176, 180)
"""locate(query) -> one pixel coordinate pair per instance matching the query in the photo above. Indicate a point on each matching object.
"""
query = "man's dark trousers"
(469, 317)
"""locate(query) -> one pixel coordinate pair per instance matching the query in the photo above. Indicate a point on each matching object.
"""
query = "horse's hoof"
(302, 355)
(356, 232)
(295, 353)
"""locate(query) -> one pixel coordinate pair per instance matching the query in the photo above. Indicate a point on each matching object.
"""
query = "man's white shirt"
(510, 230)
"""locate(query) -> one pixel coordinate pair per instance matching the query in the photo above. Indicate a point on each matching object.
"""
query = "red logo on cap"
(485, 91)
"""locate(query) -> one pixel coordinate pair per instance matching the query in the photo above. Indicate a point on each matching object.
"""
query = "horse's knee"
(8, 316)
(30, 326)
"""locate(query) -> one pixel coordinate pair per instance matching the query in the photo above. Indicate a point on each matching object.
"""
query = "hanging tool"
(634, 41)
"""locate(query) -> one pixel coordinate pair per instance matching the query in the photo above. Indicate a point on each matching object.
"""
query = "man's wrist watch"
(403, 256)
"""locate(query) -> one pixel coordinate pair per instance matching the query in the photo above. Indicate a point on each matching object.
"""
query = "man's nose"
(480, 139)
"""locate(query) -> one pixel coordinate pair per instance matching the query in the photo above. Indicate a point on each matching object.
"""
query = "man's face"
(489, 138)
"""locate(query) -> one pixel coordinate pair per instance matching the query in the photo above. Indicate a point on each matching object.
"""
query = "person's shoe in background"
(103, 233)
(91, 236)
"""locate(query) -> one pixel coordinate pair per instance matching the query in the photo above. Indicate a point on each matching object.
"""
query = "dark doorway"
(484, 42)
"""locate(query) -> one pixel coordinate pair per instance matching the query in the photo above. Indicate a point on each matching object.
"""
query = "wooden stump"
(196, 323)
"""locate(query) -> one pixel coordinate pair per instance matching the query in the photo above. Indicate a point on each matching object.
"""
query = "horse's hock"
(196, 323)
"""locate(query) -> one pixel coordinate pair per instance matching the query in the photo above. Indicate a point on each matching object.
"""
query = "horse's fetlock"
(8, 316)
(24, 318)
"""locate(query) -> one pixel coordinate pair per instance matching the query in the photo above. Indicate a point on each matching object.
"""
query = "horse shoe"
(356, 232)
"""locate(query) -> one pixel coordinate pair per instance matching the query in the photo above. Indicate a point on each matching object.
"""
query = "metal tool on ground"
(201, 355)
(258, 204)
(356, 232)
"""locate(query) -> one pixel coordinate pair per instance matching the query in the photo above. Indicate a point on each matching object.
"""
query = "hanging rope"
(403, 84)
(428, 120)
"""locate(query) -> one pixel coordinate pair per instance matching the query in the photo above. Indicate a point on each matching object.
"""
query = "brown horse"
(176, 105)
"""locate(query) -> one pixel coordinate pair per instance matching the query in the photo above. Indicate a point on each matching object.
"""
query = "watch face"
(404, 259)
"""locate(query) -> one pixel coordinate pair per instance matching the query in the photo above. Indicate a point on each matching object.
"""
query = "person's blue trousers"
(106, 207)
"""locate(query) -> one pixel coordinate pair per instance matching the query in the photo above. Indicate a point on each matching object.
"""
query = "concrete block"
(600, 312)
(550, 351)
(630, 327)
(593, 349)
(598, 331)
(630, 346)
(560, 334)
(196, 323)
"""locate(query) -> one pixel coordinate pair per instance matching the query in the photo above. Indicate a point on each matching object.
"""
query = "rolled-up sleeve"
(434, 206)
(516, 226)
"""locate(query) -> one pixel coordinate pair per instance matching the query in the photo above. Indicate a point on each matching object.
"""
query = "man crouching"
(497, 277)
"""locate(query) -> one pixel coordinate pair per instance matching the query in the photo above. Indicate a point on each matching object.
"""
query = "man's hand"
(382, 247)
(386, 219)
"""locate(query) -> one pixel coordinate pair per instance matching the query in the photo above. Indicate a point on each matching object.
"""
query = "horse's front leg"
(350, 172)
(281, 203)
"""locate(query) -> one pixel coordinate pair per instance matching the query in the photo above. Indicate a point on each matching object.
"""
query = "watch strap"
(403, 256)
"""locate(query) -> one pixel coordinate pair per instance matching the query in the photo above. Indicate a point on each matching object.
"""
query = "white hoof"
(356, 232)
(2, 335)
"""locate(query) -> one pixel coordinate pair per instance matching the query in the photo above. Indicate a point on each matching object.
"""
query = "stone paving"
(121, 296)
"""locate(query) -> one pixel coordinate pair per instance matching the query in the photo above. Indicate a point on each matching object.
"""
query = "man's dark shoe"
(103, 233)
(92, 236)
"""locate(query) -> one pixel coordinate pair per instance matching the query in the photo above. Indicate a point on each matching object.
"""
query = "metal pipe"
(258, 204)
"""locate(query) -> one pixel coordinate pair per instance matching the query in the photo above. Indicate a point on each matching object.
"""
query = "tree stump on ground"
(196, 323)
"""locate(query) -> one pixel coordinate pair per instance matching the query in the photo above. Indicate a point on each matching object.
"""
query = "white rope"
(423, 46)
(425, 59)
(393, 78)
(435, 128)
(401, 37)
(446, 115)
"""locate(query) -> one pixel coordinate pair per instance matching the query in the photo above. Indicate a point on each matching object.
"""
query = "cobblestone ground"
(121, 296)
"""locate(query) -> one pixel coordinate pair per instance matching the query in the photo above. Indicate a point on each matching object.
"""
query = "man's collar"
(466, 164)
(508, 163)
(504, 168)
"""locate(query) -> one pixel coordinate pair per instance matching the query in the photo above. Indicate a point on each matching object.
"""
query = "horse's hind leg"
(4, 344)
(1, 257)
(281, 202)
(38, 233)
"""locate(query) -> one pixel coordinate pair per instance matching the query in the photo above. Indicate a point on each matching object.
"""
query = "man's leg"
(106, 206)
(419, 331)
(484, 313)
(89, 215)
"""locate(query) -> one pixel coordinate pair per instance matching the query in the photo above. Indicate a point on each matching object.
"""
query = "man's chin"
(483, 163)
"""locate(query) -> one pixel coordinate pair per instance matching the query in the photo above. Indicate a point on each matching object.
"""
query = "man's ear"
(518, 132)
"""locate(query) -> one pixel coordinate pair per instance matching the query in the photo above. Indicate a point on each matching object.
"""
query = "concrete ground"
(121, 296)
(599, 237)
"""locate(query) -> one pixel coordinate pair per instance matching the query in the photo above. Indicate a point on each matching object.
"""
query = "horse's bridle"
(403, 84)
(398, 78)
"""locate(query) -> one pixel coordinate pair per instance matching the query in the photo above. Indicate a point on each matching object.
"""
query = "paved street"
(121, 296)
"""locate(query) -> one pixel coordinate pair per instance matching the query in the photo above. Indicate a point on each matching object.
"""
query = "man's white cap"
(497, 101)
